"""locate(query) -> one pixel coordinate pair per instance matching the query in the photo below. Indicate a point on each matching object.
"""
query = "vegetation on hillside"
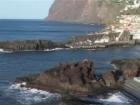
(130, 2)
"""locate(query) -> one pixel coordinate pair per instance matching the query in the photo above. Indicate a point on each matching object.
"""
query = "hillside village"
(124, 30)
(128, 21)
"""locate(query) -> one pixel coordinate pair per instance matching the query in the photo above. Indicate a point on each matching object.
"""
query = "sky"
(24, 9)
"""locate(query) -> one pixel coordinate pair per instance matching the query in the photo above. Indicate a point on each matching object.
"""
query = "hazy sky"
(24, 9)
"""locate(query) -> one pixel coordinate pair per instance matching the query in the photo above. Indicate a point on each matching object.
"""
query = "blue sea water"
(37, 29)
(17, 64)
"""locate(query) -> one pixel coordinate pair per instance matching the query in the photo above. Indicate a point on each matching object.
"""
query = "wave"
(45, 50)
(55, 49)
(117, 99)
(4, 51)
(29, 96)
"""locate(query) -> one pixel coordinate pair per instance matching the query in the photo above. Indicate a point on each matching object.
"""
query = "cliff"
(88, 11)
(91, 11)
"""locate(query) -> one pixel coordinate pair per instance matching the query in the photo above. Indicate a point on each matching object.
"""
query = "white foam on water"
(55, 49)
(29, 96)
(1, 50)
(4, 51)
(91, 49)
(117, 99)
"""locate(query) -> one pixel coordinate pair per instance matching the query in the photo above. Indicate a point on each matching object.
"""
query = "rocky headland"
(29, 45)
(91, 11)
(79, 79)
(87, 11)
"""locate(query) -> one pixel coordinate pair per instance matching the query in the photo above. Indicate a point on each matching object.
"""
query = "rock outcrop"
(128, 68)
(29, 45)
(109, 78)
(138, 103)
(77, 79)
(80, 79)
(89, 11)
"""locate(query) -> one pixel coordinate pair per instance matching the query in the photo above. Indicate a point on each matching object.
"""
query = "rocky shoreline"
(48, 45)
(29, 45)
(79, 79)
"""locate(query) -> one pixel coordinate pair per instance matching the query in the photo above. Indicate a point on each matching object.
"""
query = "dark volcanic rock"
(127, 68)
(70, 100)
(80, 79)
(109, 78)
(35, 45)
(138, 103)
(73, 78)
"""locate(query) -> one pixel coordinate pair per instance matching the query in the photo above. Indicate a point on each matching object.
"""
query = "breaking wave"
(28, 96)
(3, 51)
(55, 49)
(117, 99)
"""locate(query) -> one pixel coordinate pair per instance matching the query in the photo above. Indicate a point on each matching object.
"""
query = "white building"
(130, 23)
(136, 4)
(102, 40)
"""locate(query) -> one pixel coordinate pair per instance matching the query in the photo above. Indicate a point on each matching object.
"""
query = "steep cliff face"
(90, 11)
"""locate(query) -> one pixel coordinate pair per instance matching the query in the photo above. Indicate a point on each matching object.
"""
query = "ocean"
(18, 64)
(37, 29)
